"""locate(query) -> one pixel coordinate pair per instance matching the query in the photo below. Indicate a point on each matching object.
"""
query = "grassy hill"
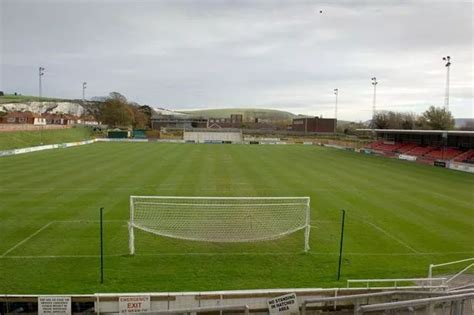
(248, 113)
(23, 139)
(10, 98)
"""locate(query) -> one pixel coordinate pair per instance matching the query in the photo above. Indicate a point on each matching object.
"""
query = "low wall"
(120, 140)
(209, 137)
(255, 300)
(464, 167)
(44, 147)
(29, 127)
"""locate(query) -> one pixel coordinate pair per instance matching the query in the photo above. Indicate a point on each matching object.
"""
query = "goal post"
(220, 219)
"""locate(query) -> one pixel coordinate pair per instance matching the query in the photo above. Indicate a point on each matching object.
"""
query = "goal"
(219, 219)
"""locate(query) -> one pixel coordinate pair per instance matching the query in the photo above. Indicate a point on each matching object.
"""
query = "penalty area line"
(399, 241)
(26, 239)
(126, 255)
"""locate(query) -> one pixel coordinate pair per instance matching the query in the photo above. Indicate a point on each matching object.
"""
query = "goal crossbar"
(219, 219)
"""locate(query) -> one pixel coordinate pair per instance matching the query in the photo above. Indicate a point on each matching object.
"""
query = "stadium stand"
(451, 149)
(420, 151)
(427, 146)
(466, 157)
(373, 145)
(406, 147)
(428, 152)
(387, 147)
(443, 154)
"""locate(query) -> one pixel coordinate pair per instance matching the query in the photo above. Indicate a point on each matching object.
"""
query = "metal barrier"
(432, 266)
(244, 308)
(457, 304)
(358, 299)
(228, 301)
(426, 283)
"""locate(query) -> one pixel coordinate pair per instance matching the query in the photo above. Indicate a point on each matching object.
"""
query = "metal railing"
(432, 266)
(358, 299)
(419, 282)
(221, 308)
(456, 301)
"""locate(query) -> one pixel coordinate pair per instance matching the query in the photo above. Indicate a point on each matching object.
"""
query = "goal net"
(219, 219)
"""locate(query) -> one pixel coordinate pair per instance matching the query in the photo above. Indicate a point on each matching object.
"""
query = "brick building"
(314, 124)
(235, 121)
(177, 121)
(23, 118)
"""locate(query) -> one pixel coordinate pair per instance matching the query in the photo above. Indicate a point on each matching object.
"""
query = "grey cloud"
(279, 54)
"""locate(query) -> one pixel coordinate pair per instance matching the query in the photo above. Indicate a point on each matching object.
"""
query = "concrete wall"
(202, 136)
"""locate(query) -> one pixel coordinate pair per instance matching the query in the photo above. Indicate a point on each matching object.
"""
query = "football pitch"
(400, 217)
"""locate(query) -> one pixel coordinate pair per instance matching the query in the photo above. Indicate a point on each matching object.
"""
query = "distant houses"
(236, 121)
(46, 119)
(180, 121)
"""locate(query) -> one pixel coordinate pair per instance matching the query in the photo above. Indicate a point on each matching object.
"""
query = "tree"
(351, 127)
(437, 118)
(115, 111)
(380, 120)
(408, 121)
(148, 112)
(140, 119)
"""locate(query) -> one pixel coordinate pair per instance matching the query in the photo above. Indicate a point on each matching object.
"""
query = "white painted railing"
(396, 283)
(364, 298)
(457, 305)
(243, 308)
(433, 266)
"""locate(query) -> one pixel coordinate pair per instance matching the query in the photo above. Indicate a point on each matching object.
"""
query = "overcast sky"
(269, 54)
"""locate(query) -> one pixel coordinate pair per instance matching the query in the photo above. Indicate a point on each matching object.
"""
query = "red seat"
(419, 151)
(466, 156)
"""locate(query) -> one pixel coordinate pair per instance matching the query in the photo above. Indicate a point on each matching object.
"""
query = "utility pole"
(446, 97)
(336, 92)
(40, 74)
(374, 83)
(84, 86)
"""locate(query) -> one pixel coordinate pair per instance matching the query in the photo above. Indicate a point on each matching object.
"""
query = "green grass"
(21, 139)
(401, 217)
(10, 98)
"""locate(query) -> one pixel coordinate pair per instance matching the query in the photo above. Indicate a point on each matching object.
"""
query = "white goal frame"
(303, 223)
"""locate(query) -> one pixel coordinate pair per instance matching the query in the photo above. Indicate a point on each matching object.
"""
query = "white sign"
(134, 304)
(284, 305)
(54, 305)
(407, 157)
(461, 167)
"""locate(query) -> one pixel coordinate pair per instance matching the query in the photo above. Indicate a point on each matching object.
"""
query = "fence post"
(101, 247)
(341, 243)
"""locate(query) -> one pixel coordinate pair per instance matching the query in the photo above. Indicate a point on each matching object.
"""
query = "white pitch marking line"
(230, 254)
(392, 237)
(87, 221)
(27, 239)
